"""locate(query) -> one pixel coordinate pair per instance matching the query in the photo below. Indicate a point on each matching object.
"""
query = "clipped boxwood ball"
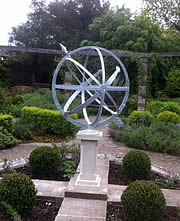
(19, 191)
(140, 118)
(44, 161)
(143, 201)
(168, 116)
(137, 165)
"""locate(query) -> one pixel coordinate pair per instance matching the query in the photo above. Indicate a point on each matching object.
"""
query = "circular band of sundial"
(89, 83)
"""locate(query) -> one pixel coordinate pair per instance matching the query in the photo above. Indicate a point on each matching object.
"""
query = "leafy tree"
(167, 11)
(118, 30)
(61, 21)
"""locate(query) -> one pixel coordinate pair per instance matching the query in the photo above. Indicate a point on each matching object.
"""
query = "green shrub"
(15, 110)
(44, 161)
(143, 118)
(158, 142)
(69, 168)
(137, 138)
(6, 121)
(173, 147)
(143, 201)
(156, 107)
(17, 99)
(159, 137)
(172, 107)
(19, 191)
(39, 100)
(137, 165)
(6, 139)
(50, 121)
(24, 130)
(173, 83)
(120, 134)
(168, 116)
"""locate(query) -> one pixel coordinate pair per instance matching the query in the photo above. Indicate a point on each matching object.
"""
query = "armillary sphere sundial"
(96, 87)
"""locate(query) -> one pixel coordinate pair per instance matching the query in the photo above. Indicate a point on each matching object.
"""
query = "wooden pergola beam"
(58, 52)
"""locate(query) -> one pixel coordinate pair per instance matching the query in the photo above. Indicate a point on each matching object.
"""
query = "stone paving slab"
(48, 188)
(115, 191)
(82, 210)
(90, 192)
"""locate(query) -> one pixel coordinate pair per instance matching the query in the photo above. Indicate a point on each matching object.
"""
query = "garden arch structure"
(144, 58)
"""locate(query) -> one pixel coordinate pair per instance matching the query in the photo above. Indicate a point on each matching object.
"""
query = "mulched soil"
(117, 176)
(43, 210)
(115, 213)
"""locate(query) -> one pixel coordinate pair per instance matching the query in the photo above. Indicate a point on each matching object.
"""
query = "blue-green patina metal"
(89, 83)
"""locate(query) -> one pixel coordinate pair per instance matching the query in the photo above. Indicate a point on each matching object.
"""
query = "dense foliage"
(50, 121)
(6, 121)
(19, 191)
(137, 165)
(143, 201)
(24, 130)
(6, 139)
(119, 30)
(156, 107)
(173, 83)
(169, 117)
(159, 136)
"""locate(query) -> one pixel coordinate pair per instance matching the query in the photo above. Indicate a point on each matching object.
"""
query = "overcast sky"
(14, 12)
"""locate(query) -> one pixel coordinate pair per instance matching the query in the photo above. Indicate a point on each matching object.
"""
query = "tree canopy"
(63, 21)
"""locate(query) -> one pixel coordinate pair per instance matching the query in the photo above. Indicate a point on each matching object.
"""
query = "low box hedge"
(50, 121)
(6, 122)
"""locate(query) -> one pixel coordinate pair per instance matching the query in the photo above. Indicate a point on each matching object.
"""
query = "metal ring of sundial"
(97, 90)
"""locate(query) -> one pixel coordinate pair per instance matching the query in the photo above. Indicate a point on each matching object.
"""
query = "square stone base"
(81, 182)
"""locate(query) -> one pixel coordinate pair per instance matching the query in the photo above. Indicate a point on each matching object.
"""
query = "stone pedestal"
(88, 176)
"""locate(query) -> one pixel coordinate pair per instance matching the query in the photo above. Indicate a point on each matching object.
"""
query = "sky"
(14, 13)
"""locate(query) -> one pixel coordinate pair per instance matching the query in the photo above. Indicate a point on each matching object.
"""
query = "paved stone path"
(107, 146)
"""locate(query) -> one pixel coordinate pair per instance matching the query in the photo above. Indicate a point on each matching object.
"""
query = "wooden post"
(142, 85)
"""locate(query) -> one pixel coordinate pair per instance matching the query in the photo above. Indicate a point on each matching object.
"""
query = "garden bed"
(42, 210)
(117, 176)
(115, 213)
(58, 176)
